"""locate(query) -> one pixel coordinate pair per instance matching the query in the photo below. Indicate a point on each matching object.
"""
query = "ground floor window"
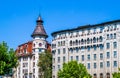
(108, 75)
(95, 76)
(101, 75)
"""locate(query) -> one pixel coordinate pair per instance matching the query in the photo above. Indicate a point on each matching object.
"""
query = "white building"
(96, 46)
(28, 53)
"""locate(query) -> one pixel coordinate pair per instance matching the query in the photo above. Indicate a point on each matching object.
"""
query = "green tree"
(45, 64)
(73, 70)
(116, 74)
(8, 59)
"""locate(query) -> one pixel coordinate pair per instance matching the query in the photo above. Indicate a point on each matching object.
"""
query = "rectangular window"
(58, 59)
(108, 64)
(101, 47)
(95, 66)
(88, 66)
(108, 55)
(95, 57)
(71, 58)
(82, 57)
(58, 44)
(40, 50)
(58, 67)
(94, 47)
(114, 44)
(115, 54)
(33, 70)
(101, 56)
(58, 51)
(88, 56)
(115, 63)
(101, 64)
(53, 52)
(64, 59)
(53, 68)
(64, 50)
(107, 45)
(53, 60)
(33, 64)
(77, 58)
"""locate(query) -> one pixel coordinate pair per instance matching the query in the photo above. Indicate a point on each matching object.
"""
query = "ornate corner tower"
(39, 44)
(39, 36)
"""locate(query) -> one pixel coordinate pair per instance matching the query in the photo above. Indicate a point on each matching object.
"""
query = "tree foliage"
(116, 74)
(45, 64)
(73, 70)
(8, 59)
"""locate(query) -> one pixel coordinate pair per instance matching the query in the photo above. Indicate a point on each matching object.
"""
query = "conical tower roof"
(39, 30)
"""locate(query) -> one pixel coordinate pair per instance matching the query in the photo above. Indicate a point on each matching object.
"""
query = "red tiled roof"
(28, 47)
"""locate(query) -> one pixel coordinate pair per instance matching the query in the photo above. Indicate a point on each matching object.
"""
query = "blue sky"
(18, 17)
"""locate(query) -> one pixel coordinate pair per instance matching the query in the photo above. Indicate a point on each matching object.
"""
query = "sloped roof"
(39, 30)
(86, 26)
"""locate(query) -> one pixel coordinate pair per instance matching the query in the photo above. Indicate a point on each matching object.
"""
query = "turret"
(39, 31)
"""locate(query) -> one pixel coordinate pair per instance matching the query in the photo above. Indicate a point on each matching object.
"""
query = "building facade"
(96, 46)
(28, 53)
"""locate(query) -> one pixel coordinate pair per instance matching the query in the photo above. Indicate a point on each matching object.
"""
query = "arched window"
(91, 40)
(82, 42)
(76, 42)
(40, 44)
(88, 41)
(70, 43)
(111, 36)
(95, 76)
(61, 43)
(94, 40)
(95, 47)
(114, 35)
(101, 75)
(100, 39)
(97, 39)
(33, 76)
(33, 57)
(77, 49)
(88, 48)
(73, 42)
(115, 44)
(79, 42)
(108, 75)
(85, 41)
(34, 44)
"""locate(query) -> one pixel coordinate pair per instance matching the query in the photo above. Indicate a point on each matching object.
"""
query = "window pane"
(108, 64)
(108, 54)
(77, 58)
(82, 57)
(115, 54)
(115, 63)
(107, 45)
(88, 66)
